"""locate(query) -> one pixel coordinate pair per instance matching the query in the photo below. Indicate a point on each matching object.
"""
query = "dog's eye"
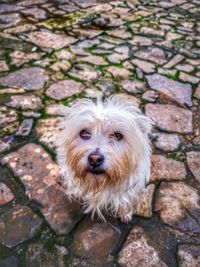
(85, 135)
(117, 136)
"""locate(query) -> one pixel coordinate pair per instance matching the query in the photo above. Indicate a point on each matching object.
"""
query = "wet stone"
(6, 195)
(155, 55)
(38, 255)
(189, 255)
(167, 142)
(170, 118)
(95, 239)
(9, 20)
(84, 72)
(18, 225)
(138, 250)
(133, 86)
(40, 174)
(180, 92)
(28, 79)
(193, 161)
(47, 130)
(25, 128)
(23, 102)
(64, 89)
(49, 39)
(166, 169)
(179, 206)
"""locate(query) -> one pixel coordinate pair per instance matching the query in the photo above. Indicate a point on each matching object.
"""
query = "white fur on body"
(116, 114)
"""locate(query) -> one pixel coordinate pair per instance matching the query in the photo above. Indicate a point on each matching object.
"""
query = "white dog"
(104, 155)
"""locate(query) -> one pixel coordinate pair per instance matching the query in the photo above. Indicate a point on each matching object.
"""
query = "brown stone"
(84, 72)
(197, 92)
(64, 89)
(5, 194)
(138, 251)
(119, 73)
(28, 79)
(145, 66)
(99, 61)
(49, 39)
(193, 161)
(170, 118)
(189, 255)
(47, 130)
(180, 92)
(179, 206)
(166, 169)
(18, 225)
(40, 174)
(95, 239)
(133, 86)
(155, 55)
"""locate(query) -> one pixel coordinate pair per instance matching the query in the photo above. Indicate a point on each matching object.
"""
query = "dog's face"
(103, 143)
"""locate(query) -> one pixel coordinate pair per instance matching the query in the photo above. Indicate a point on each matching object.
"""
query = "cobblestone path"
(54, 52)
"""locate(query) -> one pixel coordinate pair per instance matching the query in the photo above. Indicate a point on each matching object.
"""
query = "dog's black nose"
(95, 159)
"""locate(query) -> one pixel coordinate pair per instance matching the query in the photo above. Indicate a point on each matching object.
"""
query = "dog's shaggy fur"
(118, 131)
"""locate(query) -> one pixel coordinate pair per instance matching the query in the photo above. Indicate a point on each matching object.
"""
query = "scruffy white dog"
(104, 155)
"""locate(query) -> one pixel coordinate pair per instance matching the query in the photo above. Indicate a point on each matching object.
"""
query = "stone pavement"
(54, 52)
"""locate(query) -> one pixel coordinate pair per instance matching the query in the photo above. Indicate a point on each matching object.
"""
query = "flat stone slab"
(29, 102)
(95, 239)
(193, 161)
(64, 89)
(47, 131)
(178, 204)
(166, 169)
(170, 118)
(40, 174)
(180, 92)
(29, 79)
(133, 86)
(84, 72)
(188, 255)
(18, 225)
(49, 39)
(155, 55)
(167, 142)
(6, 195)
(139, 251)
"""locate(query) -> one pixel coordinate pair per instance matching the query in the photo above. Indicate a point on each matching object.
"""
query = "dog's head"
(102, 144)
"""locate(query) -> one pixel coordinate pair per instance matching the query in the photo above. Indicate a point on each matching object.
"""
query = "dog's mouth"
(96, 170)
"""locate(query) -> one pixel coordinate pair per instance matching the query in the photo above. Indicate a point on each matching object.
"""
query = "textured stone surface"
(180, 92)
(170, 118)
(155, 55)
(167, 169)
(167, 142)
(18, 225)
(133, 86)
(189, 255)
(5, 194)
(193, 161)
(95, 239)
(23, 102)
(64, 89)
(138, 251)
(179, 207)
(49, 39)
(28, 79)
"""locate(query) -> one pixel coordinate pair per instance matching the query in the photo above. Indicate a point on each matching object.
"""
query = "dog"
(104, 155)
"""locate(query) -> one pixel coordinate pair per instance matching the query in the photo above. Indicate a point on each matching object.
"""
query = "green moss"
(70, 20)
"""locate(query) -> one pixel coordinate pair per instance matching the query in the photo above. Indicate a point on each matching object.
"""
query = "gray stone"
(141, 41)
(95, 60)
(9, 8)
(25, 127)
(138, 250)
(174, 61)
(64, 89)
(84, 72)
(155, 55)
(179, 206)
(35, 12)
(180, 92)
(9, 262)
(188, 255)
(166, 169)
(143, 65)
(150, 96)
(167, 142)
(9, 20)
(24, 102)
(170, 118)
(18, 225)
(28, 79)
(193, 161)
(133, 86)
(119, 73)
(188, 78)
(6, 195)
